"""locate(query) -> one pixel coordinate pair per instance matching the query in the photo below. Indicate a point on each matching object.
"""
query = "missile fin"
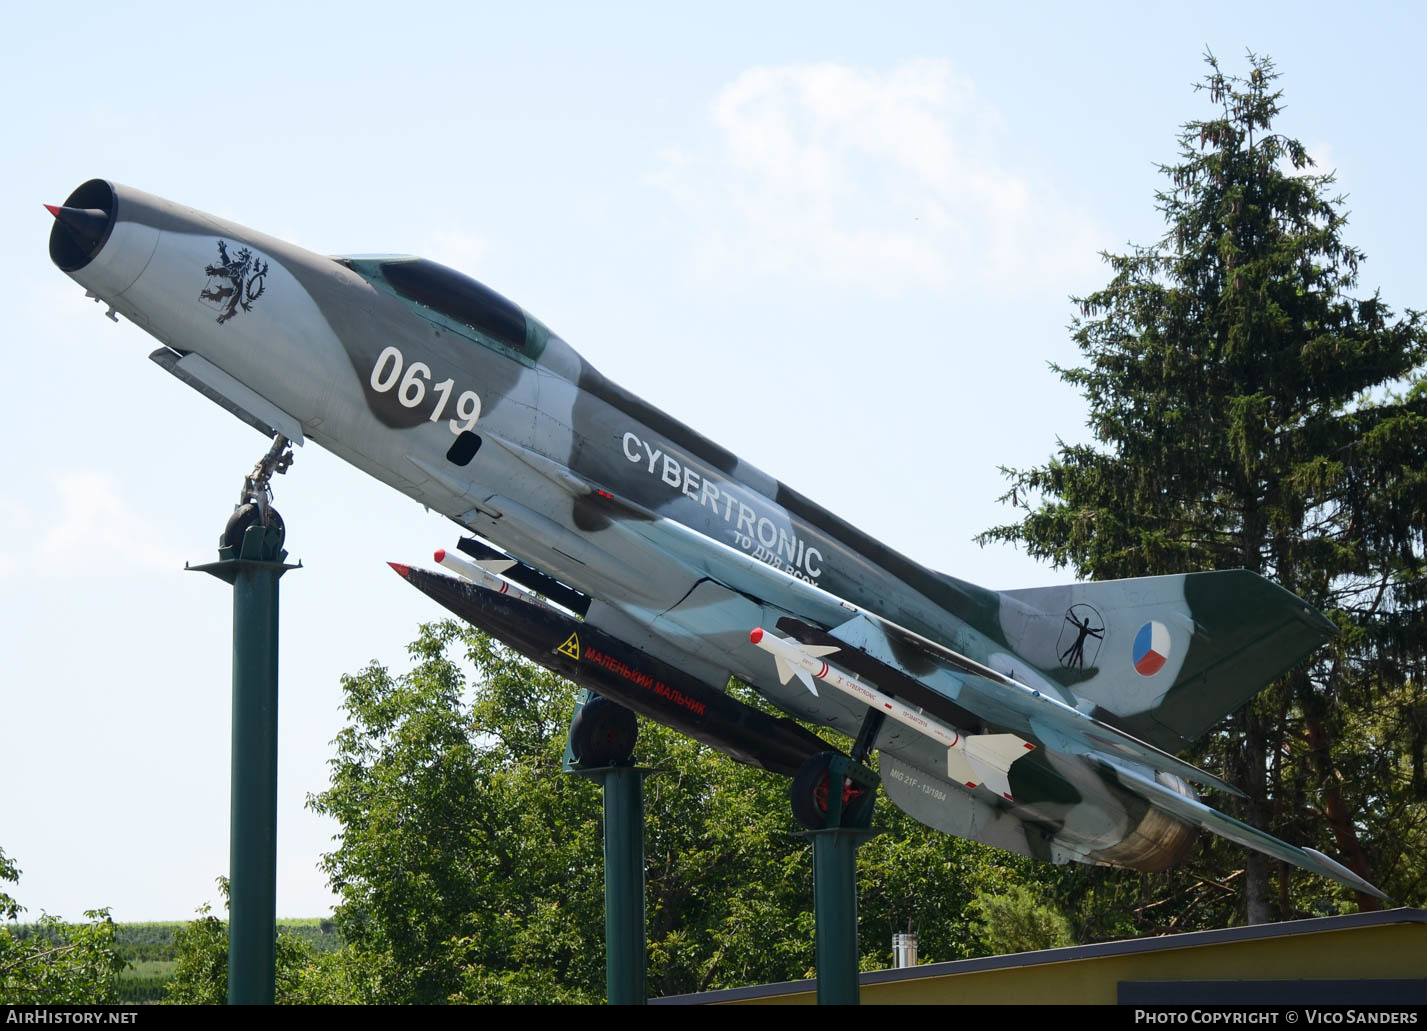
(999, 783)
(815, 651)
(959, 770)
(803, 675)
(991, 756)
(786, 672)
(997, 750)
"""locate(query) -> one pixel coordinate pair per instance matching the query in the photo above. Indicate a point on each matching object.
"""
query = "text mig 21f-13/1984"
(626, 551)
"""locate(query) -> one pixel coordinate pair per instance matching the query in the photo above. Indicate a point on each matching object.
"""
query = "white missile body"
(981, 759)
(479, 574)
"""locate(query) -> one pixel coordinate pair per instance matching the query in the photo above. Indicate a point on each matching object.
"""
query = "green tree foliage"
(463, 856)
(9, 908)
(470, 867)
(1020, 921)
(54, 962)
(200, 974)
(1248, 411)
(912, 878)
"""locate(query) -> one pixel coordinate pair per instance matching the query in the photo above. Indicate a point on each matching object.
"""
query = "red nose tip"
(440, 555)
(52, 210)
(403, 571)
(756, 635)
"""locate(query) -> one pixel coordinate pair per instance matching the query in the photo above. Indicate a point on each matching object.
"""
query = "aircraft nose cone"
(82, 225)
(86, 226)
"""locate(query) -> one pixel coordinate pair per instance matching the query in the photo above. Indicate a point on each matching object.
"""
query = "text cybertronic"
(1039, 720)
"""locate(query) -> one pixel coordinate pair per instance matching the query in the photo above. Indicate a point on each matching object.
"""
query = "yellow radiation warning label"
(571, 647)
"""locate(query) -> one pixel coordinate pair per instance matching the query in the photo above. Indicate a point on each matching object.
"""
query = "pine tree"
(1248, 411)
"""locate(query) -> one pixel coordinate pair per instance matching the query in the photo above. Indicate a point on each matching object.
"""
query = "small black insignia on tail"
(1080, 621)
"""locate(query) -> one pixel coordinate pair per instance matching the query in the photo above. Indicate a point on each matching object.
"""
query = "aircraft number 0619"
(411, 389)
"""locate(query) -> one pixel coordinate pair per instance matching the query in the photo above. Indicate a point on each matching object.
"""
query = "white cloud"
(854, 176)
(80, 526)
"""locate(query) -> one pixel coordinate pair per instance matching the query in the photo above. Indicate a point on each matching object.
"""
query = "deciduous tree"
(470, 867)
(51, 961)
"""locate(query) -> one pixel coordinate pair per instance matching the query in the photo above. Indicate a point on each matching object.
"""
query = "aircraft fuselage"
(459, 399)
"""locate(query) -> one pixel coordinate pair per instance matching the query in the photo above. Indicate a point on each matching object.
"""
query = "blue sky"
(838, 239)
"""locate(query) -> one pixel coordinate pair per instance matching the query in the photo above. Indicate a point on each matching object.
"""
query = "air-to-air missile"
(661, 551)
(612, 669)
(972, 761)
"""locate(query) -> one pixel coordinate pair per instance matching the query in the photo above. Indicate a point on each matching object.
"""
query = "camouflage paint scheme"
(684, 548)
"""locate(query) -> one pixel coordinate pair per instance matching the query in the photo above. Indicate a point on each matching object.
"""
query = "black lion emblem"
(234, 282)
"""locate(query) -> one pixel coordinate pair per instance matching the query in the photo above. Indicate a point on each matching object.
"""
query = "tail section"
(1166, 656)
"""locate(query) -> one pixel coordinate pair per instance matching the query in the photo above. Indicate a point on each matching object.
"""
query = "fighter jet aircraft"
(628, 552)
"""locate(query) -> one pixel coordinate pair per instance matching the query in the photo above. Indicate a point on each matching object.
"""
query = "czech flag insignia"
(1151, 649)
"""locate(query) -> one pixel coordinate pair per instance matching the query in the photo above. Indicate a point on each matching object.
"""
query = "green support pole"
(851, 795)
(626, 941)
(624, 927)
(835, 910)
(253, 569)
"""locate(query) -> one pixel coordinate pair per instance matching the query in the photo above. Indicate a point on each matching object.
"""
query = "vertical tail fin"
(1167, 656)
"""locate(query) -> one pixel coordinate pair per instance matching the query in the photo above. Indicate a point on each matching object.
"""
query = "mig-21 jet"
(619, 547)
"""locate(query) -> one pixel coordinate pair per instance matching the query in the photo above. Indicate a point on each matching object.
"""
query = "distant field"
(149, 951)
(148, 947)
(143, 980)
(317, 931)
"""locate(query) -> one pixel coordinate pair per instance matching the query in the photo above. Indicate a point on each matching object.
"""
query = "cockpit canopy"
(456, 301)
